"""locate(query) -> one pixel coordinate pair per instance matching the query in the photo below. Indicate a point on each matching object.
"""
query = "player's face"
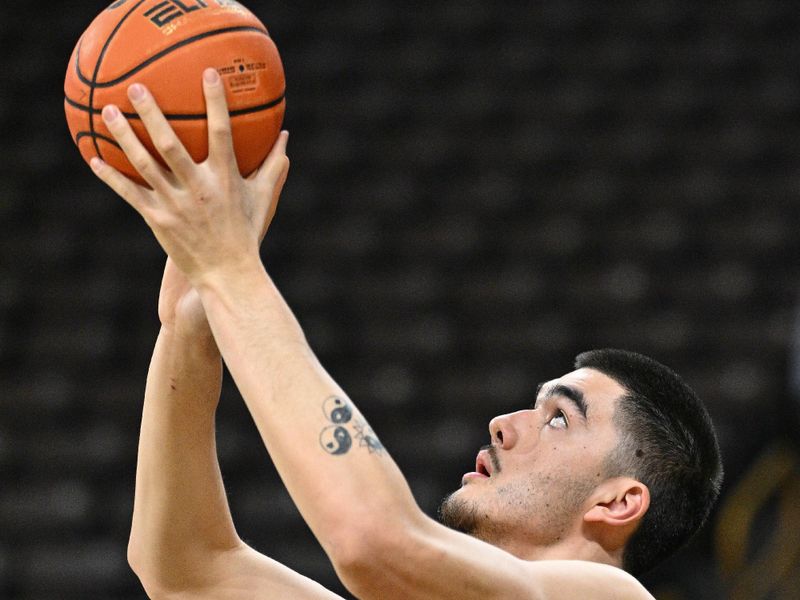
(533, 483)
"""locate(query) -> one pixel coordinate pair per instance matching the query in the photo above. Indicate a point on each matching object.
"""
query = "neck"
(570, 548)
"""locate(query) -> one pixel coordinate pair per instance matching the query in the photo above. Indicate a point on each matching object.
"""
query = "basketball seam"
(92, 84)
(180, 116)
(95, 136)
(166, 51)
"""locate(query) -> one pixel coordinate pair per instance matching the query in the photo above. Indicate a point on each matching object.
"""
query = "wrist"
(232, 275)
(192, 336)
(241, 303)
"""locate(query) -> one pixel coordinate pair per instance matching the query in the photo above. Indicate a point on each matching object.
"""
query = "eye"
(558, 420)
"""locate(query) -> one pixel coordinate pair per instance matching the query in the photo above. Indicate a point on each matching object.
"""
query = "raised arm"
(347, 488)
(183, 542)
(178, 483)
(345, 484)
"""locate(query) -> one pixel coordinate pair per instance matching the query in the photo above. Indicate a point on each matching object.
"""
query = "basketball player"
(612, 468)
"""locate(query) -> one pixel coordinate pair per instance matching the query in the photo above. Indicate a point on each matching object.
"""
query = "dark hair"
(667, 442)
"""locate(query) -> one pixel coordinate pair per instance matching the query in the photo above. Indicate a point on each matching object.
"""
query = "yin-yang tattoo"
(335, 440)
(337, 410)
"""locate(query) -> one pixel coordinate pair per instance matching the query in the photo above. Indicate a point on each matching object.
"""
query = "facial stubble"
(542, 509)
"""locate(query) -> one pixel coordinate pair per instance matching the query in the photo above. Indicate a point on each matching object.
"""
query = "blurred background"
(479, 191)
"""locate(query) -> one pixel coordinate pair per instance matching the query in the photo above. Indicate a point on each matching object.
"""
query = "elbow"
(348, 552)
(366, 558)
(178, 570)
(161, 579)
(136, 561)
(135, 558)
(358, 566)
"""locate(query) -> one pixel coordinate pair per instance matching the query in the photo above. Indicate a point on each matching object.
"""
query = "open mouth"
(483, 465)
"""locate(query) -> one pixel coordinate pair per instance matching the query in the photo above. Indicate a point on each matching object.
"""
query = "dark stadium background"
(479, 191)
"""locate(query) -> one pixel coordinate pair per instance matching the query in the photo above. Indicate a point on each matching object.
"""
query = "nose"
(502, 431)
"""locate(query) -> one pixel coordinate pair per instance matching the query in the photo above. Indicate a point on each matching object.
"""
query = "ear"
(619, 502)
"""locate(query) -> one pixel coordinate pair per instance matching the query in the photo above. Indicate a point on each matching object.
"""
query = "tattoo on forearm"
(337, 410)
(337, 439)
(367, 438)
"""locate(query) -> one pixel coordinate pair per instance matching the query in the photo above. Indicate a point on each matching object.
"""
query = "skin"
(547, 462)
(350, 492)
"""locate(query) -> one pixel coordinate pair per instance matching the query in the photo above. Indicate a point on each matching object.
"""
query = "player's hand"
(206, 216)
(179, 306)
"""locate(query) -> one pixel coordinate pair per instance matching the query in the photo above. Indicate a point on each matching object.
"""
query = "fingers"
(269, 181)
(132, 193)
(273, 205)
(276, 162)
(137, 154)
(281, 180)
(162, 134)
(220, 140)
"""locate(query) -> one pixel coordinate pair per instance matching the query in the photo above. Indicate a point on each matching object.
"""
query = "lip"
(483, 465)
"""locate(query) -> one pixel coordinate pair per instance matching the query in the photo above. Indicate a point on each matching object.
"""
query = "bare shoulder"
(557, 579)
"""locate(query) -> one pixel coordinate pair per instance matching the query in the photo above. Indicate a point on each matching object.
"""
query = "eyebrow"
(574, 395)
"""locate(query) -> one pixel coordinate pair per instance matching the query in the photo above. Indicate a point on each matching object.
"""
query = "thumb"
(270, 171)
(273, 203)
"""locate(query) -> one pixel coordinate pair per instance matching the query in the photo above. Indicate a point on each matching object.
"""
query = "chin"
(459, 513)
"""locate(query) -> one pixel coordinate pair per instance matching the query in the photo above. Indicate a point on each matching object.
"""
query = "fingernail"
(136, 92)
(211, 76)
(96, 164)
(110, 112)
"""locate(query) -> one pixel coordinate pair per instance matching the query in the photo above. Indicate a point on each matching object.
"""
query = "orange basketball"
(166, 45)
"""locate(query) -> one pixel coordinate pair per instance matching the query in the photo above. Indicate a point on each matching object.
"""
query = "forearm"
(181, 516)
(286, 389)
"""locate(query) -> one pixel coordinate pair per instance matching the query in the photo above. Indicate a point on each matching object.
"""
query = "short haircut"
(666, 441)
